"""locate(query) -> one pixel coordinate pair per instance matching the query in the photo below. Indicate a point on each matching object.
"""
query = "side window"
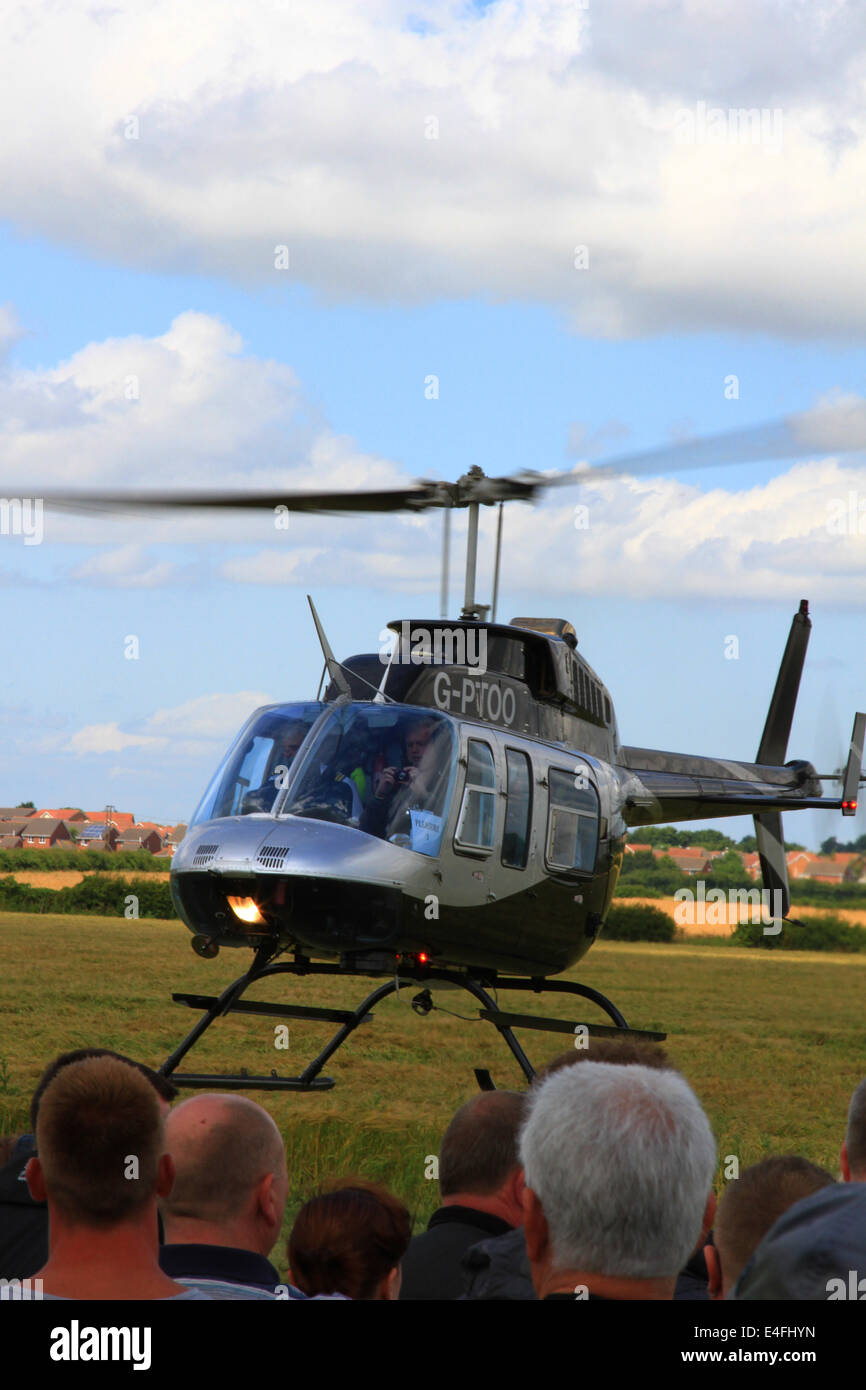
(478, 809)
(518, 810)
(572, 829)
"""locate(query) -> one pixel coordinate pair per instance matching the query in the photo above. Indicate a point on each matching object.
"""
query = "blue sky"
(151, 260)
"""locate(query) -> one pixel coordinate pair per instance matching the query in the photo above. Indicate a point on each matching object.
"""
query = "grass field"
(773, 1044)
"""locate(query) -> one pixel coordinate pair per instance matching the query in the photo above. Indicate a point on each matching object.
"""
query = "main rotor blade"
(415, 498)
(828, 429)
(834, 428)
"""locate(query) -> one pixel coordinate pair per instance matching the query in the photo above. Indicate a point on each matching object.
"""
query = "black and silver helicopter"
(453, 812)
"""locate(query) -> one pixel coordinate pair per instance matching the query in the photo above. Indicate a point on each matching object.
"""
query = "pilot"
(288, 744)
(414, 779)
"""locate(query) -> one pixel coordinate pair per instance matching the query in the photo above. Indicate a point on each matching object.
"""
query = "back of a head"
(753, 1203)
(99, 1136)
(855, 1134)
(480, 1147)
(348, 1240)
(622, 1160)
(815, 1251)
(222, 1145)
(164, 1088)
(623, 1053)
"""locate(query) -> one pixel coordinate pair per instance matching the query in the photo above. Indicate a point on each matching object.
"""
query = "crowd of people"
(597, 1183)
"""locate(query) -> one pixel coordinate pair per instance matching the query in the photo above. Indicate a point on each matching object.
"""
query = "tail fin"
(773, 749)
(853, 771)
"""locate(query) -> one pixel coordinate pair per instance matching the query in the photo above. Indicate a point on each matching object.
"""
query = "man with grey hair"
(225, 1210)
(618, 1165)
(853, 1156)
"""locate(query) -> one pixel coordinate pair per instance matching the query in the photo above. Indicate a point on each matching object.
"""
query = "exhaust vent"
(272, 856)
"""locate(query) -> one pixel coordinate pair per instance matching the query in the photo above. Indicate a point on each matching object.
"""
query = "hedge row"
(104, 897)
(826, 932)
(49, 859)
(642, 923)
(806, 894)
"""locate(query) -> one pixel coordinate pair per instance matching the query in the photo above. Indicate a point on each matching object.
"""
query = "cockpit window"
(258, 765)
(383, 769)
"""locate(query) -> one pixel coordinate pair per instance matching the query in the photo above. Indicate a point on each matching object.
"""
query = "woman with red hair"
(350, 1241)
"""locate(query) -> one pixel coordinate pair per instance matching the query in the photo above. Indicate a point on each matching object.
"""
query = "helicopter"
(452, 811)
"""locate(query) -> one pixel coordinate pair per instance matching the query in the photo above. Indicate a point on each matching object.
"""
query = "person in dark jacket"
(481, 1186)
(498, 1269)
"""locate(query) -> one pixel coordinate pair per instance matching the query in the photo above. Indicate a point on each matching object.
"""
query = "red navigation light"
(849, 805)
(423, 957)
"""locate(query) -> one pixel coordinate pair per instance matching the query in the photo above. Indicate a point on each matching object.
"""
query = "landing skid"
(231, 1001)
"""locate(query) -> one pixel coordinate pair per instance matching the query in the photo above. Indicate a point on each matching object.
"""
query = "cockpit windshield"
(258, 765)
(384, 769)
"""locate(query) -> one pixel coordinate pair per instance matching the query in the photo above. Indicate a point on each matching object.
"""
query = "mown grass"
(772, 1044)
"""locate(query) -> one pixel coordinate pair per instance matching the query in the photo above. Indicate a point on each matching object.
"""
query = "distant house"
(14, 812)
(825, 871)
(177, 834)
(10, 842)
(692, 860)
(798, 861)
(96, 835)
(139, 837)
(67, 813)
(163, 831)
(121, 820)
(632, 848)
(42, 832)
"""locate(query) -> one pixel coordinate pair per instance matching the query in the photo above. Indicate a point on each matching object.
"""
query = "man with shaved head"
(101, 1166)
(224, 1213)
(481, 1185)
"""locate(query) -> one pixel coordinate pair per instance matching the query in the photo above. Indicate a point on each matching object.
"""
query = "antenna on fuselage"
(335, 671)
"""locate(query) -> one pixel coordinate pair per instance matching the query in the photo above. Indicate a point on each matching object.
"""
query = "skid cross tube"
(263, 966)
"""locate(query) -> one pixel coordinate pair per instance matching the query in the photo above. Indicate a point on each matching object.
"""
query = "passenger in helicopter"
(402, 794)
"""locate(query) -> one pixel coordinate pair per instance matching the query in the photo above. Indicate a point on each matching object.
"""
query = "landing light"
(245, 909)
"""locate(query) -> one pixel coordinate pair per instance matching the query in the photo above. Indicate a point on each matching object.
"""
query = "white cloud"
(204, 411)
(205, 137)
(208, 716)
(800, 533)
(185, 410)
(188, 730)
(109, 738)
(127, 567)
